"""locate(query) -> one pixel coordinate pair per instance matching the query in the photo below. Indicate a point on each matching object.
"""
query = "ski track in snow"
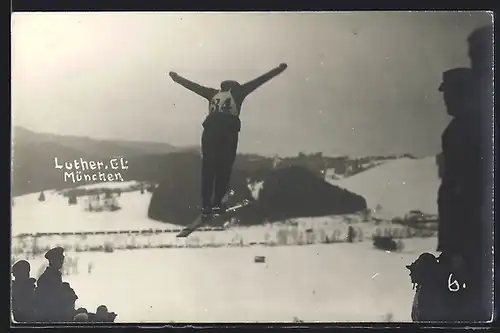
(321, 282)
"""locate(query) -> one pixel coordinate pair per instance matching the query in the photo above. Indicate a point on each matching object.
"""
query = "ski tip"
(184, 233)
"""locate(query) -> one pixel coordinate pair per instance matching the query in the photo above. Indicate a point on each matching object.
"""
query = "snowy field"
(337, 282)
(55, 215)
(323, 283)
(397, 186)
(57, 219)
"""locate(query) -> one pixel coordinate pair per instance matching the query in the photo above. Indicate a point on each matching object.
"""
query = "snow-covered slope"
(111, 185)
(55, 215)
(397, 186)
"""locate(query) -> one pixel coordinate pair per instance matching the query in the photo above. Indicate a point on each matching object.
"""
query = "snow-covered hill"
(397, 186)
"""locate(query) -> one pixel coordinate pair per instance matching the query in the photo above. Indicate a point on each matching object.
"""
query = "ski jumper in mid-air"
(221, 129)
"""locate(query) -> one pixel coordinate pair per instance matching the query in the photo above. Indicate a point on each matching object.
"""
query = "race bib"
(224, 102)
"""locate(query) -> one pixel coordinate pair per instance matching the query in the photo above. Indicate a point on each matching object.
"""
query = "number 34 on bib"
(224, 102)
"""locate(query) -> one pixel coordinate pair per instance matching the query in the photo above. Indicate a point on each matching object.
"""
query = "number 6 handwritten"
(451, 284)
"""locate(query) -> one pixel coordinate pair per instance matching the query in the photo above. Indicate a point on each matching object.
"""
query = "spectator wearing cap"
(461, 228)
(461, 165)
(52, 274)
(50, 291)
(457, 88)
(454, 234)
(23, 292)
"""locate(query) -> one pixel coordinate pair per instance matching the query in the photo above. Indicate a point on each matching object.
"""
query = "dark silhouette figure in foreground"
(458, 233)
(68, 301)
(467, 238)
(463, 237)
(454, 231)
(52, 296)
(81, 315)
(221, 129)
(52, 300)
(102, 315)
(429, 281)
(23, 292)
(478, 187)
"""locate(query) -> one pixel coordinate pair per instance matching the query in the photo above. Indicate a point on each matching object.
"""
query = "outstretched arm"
(257, 82)
(193, 86)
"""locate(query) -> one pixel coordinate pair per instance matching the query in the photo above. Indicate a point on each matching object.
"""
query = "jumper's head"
(228, 85)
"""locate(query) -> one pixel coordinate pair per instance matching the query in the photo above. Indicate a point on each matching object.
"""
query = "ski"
(200, 220)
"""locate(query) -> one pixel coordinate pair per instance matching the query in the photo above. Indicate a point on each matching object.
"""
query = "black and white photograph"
(251, 167)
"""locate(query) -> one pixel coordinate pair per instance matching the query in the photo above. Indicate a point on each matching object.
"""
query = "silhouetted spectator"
(464, 239)
(430, 285)
(480, 49)
(479, 263)
(51, 294)
(23, 292)
(69, 298)
(81, 310)
(459, 234)
(81, 317)
(453, 230)
(102, 315)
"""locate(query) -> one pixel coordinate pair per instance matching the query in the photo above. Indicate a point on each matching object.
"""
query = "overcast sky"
(361, 83)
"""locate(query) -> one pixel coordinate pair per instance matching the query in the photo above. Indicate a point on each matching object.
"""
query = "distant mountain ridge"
(33, 156)
(34, 169)
(89, 146)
